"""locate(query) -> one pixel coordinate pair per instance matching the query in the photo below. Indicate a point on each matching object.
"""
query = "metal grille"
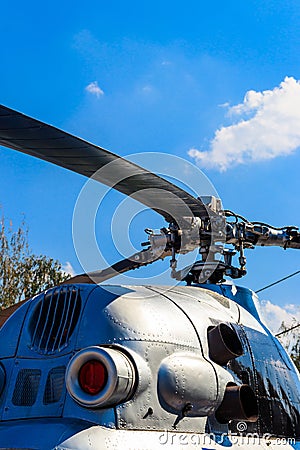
(54, 319)
(54, 385)
(26, 388)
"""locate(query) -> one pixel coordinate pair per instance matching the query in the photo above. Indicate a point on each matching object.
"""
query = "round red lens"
(92, 377)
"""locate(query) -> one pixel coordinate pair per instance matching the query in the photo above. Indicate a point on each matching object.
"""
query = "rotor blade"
(46, 142)
(135, 261)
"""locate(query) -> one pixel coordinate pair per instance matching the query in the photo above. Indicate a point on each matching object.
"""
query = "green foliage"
(291, 341)
(295, 354)
(23, 274)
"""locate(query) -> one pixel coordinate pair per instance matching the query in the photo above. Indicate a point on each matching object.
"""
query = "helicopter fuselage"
(87, 366)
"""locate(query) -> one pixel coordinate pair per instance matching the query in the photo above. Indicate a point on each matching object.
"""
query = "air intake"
(26, 388)
(54, 319)
(54, 385)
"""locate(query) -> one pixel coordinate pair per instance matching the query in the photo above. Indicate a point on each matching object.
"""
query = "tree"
(22, 273)
(295, 355)
(290, 339)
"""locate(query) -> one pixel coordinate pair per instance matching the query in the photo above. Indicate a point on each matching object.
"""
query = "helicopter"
(87, 365)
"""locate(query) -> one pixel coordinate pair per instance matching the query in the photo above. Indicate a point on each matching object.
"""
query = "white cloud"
(68, 269)
(274, 315)
(147, 89)
(94, 89)
(268, 127)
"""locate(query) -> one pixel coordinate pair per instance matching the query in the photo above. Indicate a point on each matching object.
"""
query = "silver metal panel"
(134, 414)
(10, 331)
(202, 309)
(240, 295)
(133, 313)
(29, 387)
(96, 438)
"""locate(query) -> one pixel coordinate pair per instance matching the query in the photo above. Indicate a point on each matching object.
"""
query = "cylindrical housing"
(224, 344)
(239, 403)
(119, 380)
(185, 378)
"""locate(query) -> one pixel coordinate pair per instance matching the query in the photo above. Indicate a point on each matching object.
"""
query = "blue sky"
(142, 76)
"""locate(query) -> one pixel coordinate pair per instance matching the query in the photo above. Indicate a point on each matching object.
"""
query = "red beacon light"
(99, 377)
(92, 377)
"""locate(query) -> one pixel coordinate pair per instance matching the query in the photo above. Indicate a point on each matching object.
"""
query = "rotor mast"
(216, 235)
